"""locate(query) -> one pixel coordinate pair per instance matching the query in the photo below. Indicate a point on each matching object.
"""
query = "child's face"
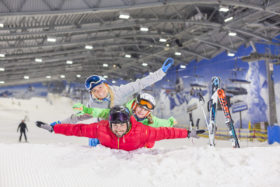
(141, 112)
(119, 129)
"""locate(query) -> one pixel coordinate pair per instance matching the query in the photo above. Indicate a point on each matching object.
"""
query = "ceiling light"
(105, 76)
(78, 76)
(113, 82)
(127, 56)
(89, 47)
(223, 9)
(105, 65)
(2, 69)
(177, 53)
(69, 62)
(48, 77)
(62, 76)
(228, 19)
(182, 66)
(124, 16)
(167, 45)
(230, 54)
(162, 40)
(2, 82)
(2, 55)
(51, 39)
(144, 29)
(232, 34)
(38, 60)
(144, 64)
(1, 25)
(26, 77)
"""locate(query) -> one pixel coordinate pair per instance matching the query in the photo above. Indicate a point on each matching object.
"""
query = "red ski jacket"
(138, 136)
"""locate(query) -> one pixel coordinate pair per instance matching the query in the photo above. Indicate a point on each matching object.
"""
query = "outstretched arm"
(158, 122)
(82, 130)
(94, 112)
(161, 133)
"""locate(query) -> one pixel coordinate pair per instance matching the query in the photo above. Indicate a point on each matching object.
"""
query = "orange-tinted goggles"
(147, 104)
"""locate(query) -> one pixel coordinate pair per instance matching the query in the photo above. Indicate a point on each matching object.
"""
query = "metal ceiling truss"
(195, 28)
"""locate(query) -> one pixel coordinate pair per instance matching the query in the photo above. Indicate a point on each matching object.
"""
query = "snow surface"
(50, 160)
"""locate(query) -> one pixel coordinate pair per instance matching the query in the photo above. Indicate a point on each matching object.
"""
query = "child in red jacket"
(122, 131)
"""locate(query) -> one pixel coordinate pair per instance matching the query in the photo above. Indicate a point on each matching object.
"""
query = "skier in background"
(103, 95)
(121, 131)
(22, 127)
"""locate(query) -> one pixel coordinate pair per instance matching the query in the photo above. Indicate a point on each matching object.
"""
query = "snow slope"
(50, 160)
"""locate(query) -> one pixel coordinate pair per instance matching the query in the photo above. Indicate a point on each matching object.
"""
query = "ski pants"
(22, 132)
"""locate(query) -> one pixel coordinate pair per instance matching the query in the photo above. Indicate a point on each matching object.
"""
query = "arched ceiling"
(194, 29)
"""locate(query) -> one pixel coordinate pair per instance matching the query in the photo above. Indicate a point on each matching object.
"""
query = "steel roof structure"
(42, 40)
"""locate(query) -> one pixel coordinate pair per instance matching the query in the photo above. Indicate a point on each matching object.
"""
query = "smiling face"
(141, 112)
(119, 129)
(100, 91)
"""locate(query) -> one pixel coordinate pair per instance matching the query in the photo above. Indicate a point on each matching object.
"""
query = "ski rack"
(218, 94)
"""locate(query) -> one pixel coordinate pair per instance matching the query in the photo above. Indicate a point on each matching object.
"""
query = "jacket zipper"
(118, 143)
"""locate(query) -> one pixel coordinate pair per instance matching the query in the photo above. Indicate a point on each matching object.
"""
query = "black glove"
(193, 133)
(43, 125)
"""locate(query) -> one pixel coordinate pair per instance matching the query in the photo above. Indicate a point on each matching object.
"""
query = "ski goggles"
(146, 104)
(93, 81)
(119, 117)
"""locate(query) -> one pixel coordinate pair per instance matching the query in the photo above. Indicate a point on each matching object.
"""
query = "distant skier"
(103, 95)
(22, 127)
(122, 131)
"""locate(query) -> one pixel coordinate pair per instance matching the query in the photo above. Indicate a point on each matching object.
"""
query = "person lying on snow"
(122, 131)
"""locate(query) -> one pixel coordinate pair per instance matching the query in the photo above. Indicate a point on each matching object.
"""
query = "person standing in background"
(22, 127)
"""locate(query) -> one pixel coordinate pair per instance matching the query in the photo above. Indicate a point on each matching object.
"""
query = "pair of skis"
(218, 95)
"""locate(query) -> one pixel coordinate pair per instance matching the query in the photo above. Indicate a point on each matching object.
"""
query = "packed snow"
(49, 160)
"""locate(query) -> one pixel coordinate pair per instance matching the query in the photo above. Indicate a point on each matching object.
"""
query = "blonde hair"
(112, 97)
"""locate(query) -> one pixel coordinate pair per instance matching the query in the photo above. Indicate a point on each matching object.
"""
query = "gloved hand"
(54, 123)
(93, 142)
(167, 64)
(82, 108)
(193, 133)
(43, 125)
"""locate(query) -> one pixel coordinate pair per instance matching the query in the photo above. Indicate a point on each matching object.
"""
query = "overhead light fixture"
(223, 9)
(89, 47)
(144, 29)
(78, 76)
(48, 77)
(62, 76)
(162, 40)
(232, 33)
(144, 64)
(228, 19)
(2, 55)
(69, 62)
(51, 39)
(183, 66)
(105, 76)
(38, 60)
(230, 54)
(105, 65)
(113, 82)
(127, 56)
(178, 53)
(26, 77)
(124, 16)
(167, 45)
(2, 69)
(2, 82)
(1, 25)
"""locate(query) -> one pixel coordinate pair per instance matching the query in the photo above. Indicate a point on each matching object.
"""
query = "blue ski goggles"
(93, 81)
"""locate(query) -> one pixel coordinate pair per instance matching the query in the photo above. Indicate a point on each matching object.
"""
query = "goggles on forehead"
(146, 104)
(119, 117)
(93, 81)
